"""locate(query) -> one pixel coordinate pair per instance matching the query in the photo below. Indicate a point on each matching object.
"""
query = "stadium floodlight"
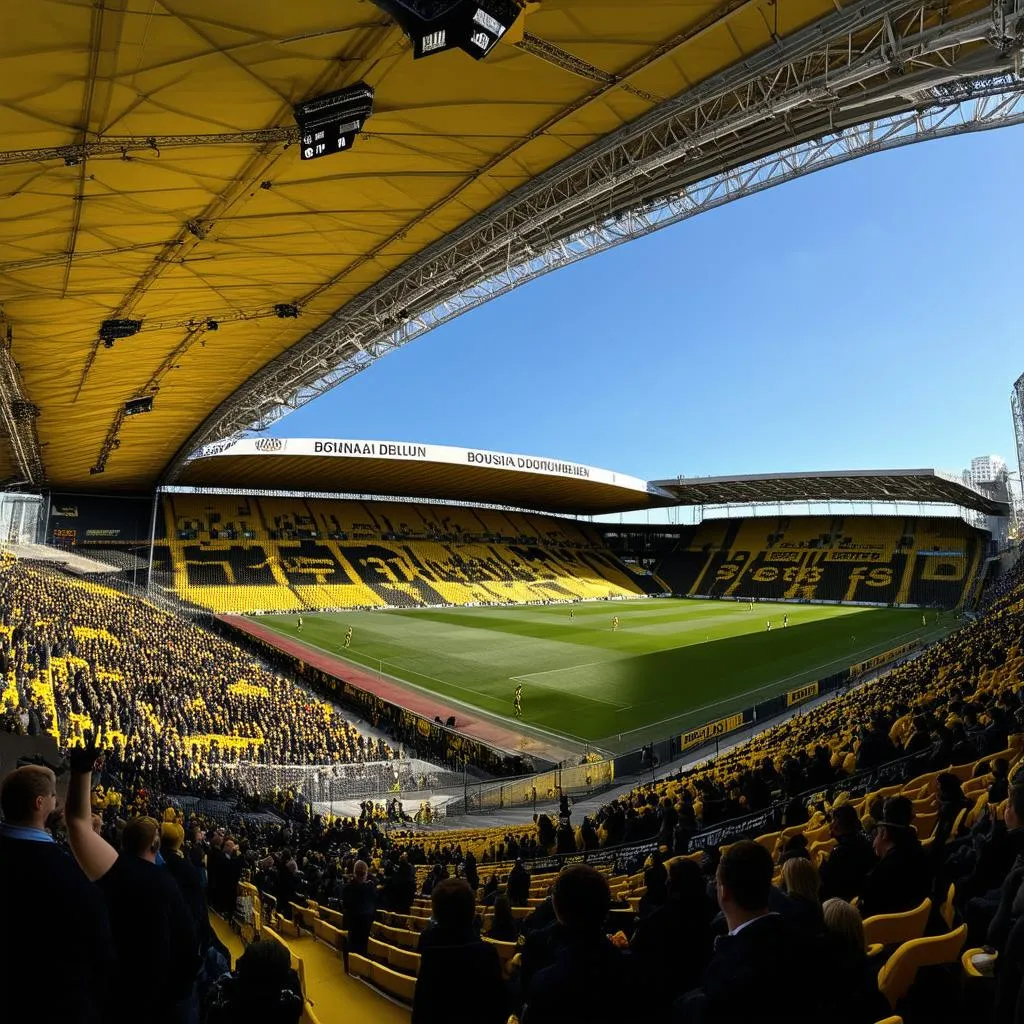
(135, 406)
(114, 330)
(329, 124)
(434, 26)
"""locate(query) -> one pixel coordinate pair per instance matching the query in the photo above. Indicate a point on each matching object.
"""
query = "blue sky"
(864, 317)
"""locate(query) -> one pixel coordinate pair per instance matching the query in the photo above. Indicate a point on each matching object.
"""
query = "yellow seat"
(891, 1020)
(331, 917)
(896, 977)
(360, 966)
(967, 962)
(925, 824)
(890, 929)
(769, 841)
(404, 960)
(328, 933)
(401, 986)
(948, 910)
(308, 1015)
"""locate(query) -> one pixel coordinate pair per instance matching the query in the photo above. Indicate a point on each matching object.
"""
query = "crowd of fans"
(763, 932)
(956, 702)
(176, 702)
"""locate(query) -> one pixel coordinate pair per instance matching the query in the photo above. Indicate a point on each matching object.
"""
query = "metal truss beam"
(867, 78)
(1017, 411)
(18, 419)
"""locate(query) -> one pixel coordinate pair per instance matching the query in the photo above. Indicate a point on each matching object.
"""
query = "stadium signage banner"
(801, 694)
(695, 737)
(273, 447)
(884, 658)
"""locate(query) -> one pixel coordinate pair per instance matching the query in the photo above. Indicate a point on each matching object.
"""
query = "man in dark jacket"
(519, 885)
(358, 904)
(459, 980)
(590, 980)
(44, 894)
(763, 961)
(157, 949)
(851, 859)
(903, 876)
(673, 943)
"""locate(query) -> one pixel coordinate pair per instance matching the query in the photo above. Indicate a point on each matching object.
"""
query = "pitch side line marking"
(531, 678)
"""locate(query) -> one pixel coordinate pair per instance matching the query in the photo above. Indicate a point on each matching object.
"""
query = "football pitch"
(671, 665)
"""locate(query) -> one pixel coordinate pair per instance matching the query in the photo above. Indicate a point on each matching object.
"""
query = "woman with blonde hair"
(854, 997)
(801, 883)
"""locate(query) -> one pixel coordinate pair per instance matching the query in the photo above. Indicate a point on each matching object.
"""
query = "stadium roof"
(150, 172)
(862, 485)
(412, 470)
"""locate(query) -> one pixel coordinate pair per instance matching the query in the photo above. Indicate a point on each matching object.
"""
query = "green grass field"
(672, 664)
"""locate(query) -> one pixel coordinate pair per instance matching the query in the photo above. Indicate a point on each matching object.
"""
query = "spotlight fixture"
(286, 311)
(135, 406)
(434, 26)
(329, 124)
(114, 330)
(196, 229)
(212, 325)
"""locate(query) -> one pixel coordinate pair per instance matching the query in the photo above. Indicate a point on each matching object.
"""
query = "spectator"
(673, 943)
(951, 802)
(459, 980)
(762, 954)
(803, 887)
(172, 836)
(359, 904)
(518, 886)
(902, 878)
(43, 889)
(504, 927)
(852, 994)
(656, 884)
(157, 949)
(566, 990)
(851, 859)
(263, 989)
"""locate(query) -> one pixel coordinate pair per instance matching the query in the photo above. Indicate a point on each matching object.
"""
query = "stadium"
(328, 728)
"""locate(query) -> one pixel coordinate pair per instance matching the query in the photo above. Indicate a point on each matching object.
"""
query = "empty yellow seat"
(896, 977)
(890, 929)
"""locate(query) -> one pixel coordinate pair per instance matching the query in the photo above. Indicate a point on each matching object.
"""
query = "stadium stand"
(926, 859)
(174, 701)
(878, 560)
(247, 554)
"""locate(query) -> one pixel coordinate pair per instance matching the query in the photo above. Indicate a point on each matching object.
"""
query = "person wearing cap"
(903, 876)
(186, 874)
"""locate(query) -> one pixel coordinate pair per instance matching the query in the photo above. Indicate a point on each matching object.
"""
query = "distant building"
(987, 468)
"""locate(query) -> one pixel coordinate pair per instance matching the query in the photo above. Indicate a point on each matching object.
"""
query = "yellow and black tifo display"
(249, 554)
(878, 560)
(246, 554)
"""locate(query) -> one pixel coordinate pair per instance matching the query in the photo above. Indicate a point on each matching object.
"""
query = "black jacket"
(460, 985)
(771, 972)
(899, 882)
(847, 866)
(673, 946)
(191, 885)
(590, 980)
(55, 942)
